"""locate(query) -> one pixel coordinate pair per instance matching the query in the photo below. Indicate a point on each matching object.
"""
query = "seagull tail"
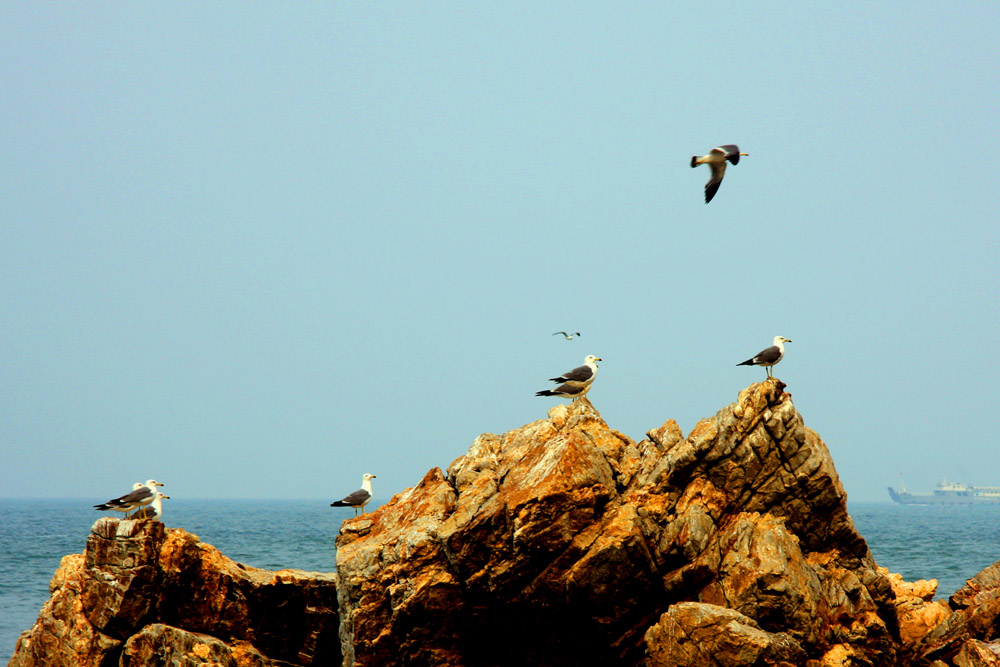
(694, 160)
(339, 503)
(748, 362)
(544, 392)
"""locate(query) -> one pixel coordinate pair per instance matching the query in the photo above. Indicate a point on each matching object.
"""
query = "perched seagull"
(581, 375)
(716, 160)
(117, 504)
(770, 356)
(576, 383)
(141, 495)
(359, 498)
(154, 510)
(568, 336)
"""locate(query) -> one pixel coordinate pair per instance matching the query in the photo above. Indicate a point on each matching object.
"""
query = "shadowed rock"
(143, 590)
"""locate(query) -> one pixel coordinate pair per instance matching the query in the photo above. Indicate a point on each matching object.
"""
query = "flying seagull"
(568, 336)
(770, 356)
(716, 160)
(576, 383)
(359, 498)
(141, 495)
(154, 510)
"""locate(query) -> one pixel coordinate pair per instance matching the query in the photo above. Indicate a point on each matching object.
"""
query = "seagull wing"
(578, 374)
(357, 498)
(565, 390)
(134, 498)
(718, 171)
(769, 356)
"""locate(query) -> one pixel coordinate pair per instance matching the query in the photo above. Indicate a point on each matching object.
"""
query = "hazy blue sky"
(255, 250)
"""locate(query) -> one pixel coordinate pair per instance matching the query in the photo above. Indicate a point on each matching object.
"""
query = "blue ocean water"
(947, 543)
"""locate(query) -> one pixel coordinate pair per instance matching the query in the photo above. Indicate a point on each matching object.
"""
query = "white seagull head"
(780, 340)
(591, 359)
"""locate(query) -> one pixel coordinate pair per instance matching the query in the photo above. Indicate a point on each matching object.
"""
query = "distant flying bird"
(716, 160)
(770, 356)
(359, 498)
(576, 383)
(154, 510)
(569, 336)
(140, 496)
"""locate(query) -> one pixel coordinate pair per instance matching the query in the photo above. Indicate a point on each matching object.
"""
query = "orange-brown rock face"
(565, 543)
(560, 543)
(142, 594)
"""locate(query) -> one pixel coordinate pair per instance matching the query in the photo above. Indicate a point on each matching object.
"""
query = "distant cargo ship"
(949, 493)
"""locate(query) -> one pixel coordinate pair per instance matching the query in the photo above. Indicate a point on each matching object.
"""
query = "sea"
(947, 543)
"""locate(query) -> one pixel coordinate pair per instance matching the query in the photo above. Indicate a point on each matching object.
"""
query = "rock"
(566, 523)
(559, 543)
(916, 609)
(974, 619)
(158, 644)
(975, 653)
(694, 634)
(141, 589)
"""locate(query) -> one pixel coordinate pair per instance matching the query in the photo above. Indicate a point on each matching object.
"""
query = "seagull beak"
(747, 155)
(599, 359)
(788, 340)
(165, 497)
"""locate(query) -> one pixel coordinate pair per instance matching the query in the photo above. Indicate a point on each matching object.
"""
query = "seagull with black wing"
(154, 510)
(769, 357)
(359, 498)
(567, 336)
(716, 160)
(576, 383)
(140, 496)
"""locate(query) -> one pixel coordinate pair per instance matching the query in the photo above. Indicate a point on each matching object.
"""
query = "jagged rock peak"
(567, 523)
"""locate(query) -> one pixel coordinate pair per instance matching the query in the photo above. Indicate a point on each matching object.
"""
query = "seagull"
(359, 498)
(568, 336)
(580, 375)
(716, 159)
(576, 383)
(155, 509)
(117, 504)
(770, 356)
(141, 495)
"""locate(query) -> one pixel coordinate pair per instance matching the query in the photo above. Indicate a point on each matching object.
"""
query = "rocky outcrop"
(142, 594)
(566, 543)
(971, 616)
(560, 543)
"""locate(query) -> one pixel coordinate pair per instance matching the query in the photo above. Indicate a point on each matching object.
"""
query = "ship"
(949, 493)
